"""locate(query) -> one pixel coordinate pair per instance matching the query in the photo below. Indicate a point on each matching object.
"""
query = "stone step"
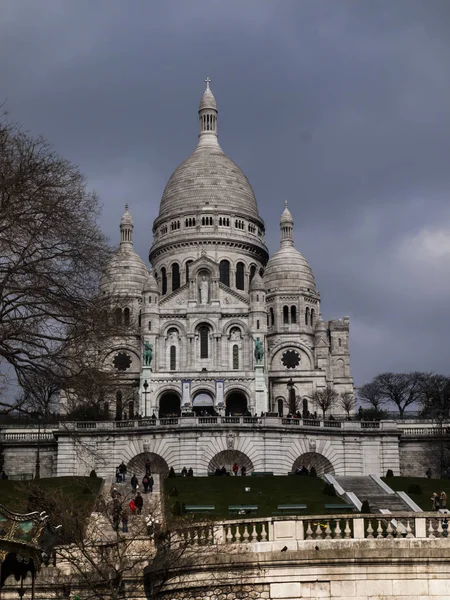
(365, 488)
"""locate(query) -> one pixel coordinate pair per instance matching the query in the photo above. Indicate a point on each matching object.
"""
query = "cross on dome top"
(207, 81)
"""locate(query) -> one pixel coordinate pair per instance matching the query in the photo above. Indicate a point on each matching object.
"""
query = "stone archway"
(169, 405)
(313, 459)
(227, 458)
(236, 403)
(203, 404)
(137, 465)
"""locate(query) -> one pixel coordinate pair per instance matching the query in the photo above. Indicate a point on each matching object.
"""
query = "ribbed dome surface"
(126, 272)
(208, 178)
(151, 285)
(288, 270)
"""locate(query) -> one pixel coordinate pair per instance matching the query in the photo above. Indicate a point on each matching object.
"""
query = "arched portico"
(227, 458)
(236, 403)
(203, 403)
(169, 404)
(157, 464)
(314, 459)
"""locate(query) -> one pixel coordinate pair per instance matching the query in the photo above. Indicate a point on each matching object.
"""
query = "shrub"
(414, 488)
(312, 472)
(389, 473)
(365, 508)
(173, 492)
(329, 490)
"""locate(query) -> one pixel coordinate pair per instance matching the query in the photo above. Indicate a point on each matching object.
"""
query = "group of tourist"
(234, 468)
(439, 501)
(120, 513)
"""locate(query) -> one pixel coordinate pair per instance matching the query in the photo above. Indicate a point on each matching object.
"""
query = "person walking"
(134, 483)
(151, 483)
(145, 483)
(122, 470)
(139, 503)
(435, 500)
(235, 469)
(148, 467)
(124, 518)
(443, 499)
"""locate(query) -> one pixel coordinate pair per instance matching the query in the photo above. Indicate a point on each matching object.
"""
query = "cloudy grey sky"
(340, 107)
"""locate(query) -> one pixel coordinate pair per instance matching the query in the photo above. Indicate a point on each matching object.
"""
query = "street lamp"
(38, 455)
(145, 386)
(292, 404)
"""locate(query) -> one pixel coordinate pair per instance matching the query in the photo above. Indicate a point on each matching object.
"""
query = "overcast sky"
(340, 107)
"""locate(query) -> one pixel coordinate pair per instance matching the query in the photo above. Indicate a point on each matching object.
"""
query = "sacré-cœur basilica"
(224, 328)
(223, 348)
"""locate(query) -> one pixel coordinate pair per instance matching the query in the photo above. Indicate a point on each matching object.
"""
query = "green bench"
(262, 473)
(199, 508)
(347, 507)
(291, 508)
(242, 508)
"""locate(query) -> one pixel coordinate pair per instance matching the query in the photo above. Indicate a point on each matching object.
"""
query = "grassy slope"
(428, 486)
(266, 492)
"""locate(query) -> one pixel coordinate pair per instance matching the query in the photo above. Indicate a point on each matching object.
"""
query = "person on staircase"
(139, 503)
(151, 483)
(134, 483)
(145, 483)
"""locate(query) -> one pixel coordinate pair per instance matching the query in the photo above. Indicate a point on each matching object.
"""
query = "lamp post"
(38, 455)
(145, 386)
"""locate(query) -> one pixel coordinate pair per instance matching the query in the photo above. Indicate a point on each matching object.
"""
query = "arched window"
(224, 270)
(175, 276)
(126, 317)
(252, 271)
(240, 276)
(293, 314)
(119, 407)
(149, 325)
(307, 316)
(140, 318)
(173, 358)
(312, 316)
(118, 316)
(340, 342)
(204, 335)
(286, 315)
(257, 324)
(272, 317)
(188, 264)
(235, 356)
(163, 281)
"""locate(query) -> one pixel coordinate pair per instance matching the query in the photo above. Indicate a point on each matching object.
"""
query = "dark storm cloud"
(339, 107)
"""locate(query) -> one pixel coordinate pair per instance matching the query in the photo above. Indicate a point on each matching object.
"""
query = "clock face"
(122, 361)
(290, 359)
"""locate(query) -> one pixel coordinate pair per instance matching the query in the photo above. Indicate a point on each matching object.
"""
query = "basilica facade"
(216, 326)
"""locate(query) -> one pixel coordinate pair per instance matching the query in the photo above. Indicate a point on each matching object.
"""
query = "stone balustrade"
(291, 530)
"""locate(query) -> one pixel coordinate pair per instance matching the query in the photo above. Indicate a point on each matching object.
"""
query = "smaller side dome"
(257, 283)
(286, 216)
(151, 285)
(208, 100)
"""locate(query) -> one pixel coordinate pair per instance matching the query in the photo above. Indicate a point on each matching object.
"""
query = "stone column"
(261, 395)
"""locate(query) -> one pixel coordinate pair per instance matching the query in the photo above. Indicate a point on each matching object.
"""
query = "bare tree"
(401, 389)
(347, 402)
(372, 394)
(325, 398)
(52, 255)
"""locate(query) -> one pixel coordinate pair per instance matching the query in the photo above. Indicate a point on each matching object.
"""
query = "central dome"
(208, 179)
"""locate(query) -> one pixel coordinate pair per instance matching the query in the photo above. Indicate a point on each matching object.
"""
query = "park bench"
(199, 508)
(290, 509)
(262, 473)
(242, 508)
(347, 507)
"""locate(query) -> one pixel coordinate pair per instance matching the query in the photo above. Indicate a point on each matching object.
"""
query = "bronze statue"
(148, 354)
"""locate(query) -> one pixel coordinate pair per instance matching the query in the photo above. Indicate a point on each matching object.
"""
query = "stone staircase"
(366, 488)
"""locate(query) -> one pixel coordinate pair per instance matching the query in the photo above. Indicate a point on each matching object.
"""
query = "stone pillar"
(186, 394)
(261, 395)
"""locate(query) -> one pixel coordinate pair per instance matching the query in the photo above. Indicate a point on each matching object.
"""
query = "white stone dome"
(151, 285)
(126, 271)
(287, 269)
(208, 179)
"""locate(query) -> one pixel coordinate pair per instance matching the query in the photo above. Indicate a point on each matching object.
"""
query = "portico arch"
(169, 404)
(227, 458)
(157, 464)
(203, 402)
(314, 459)
(236, 403)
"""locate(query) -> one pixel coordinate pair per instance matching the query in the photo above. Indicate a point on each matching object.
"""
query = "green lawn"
(265, 492)
(428, 486)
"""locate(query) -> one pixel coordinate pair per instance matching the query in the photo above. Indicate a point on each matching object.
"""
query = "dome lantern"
(207, 114)
(287, 226)
(126, 230)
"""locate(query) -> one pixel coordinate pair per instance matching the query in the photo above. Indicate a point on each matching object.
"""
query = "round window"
(290, 359)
